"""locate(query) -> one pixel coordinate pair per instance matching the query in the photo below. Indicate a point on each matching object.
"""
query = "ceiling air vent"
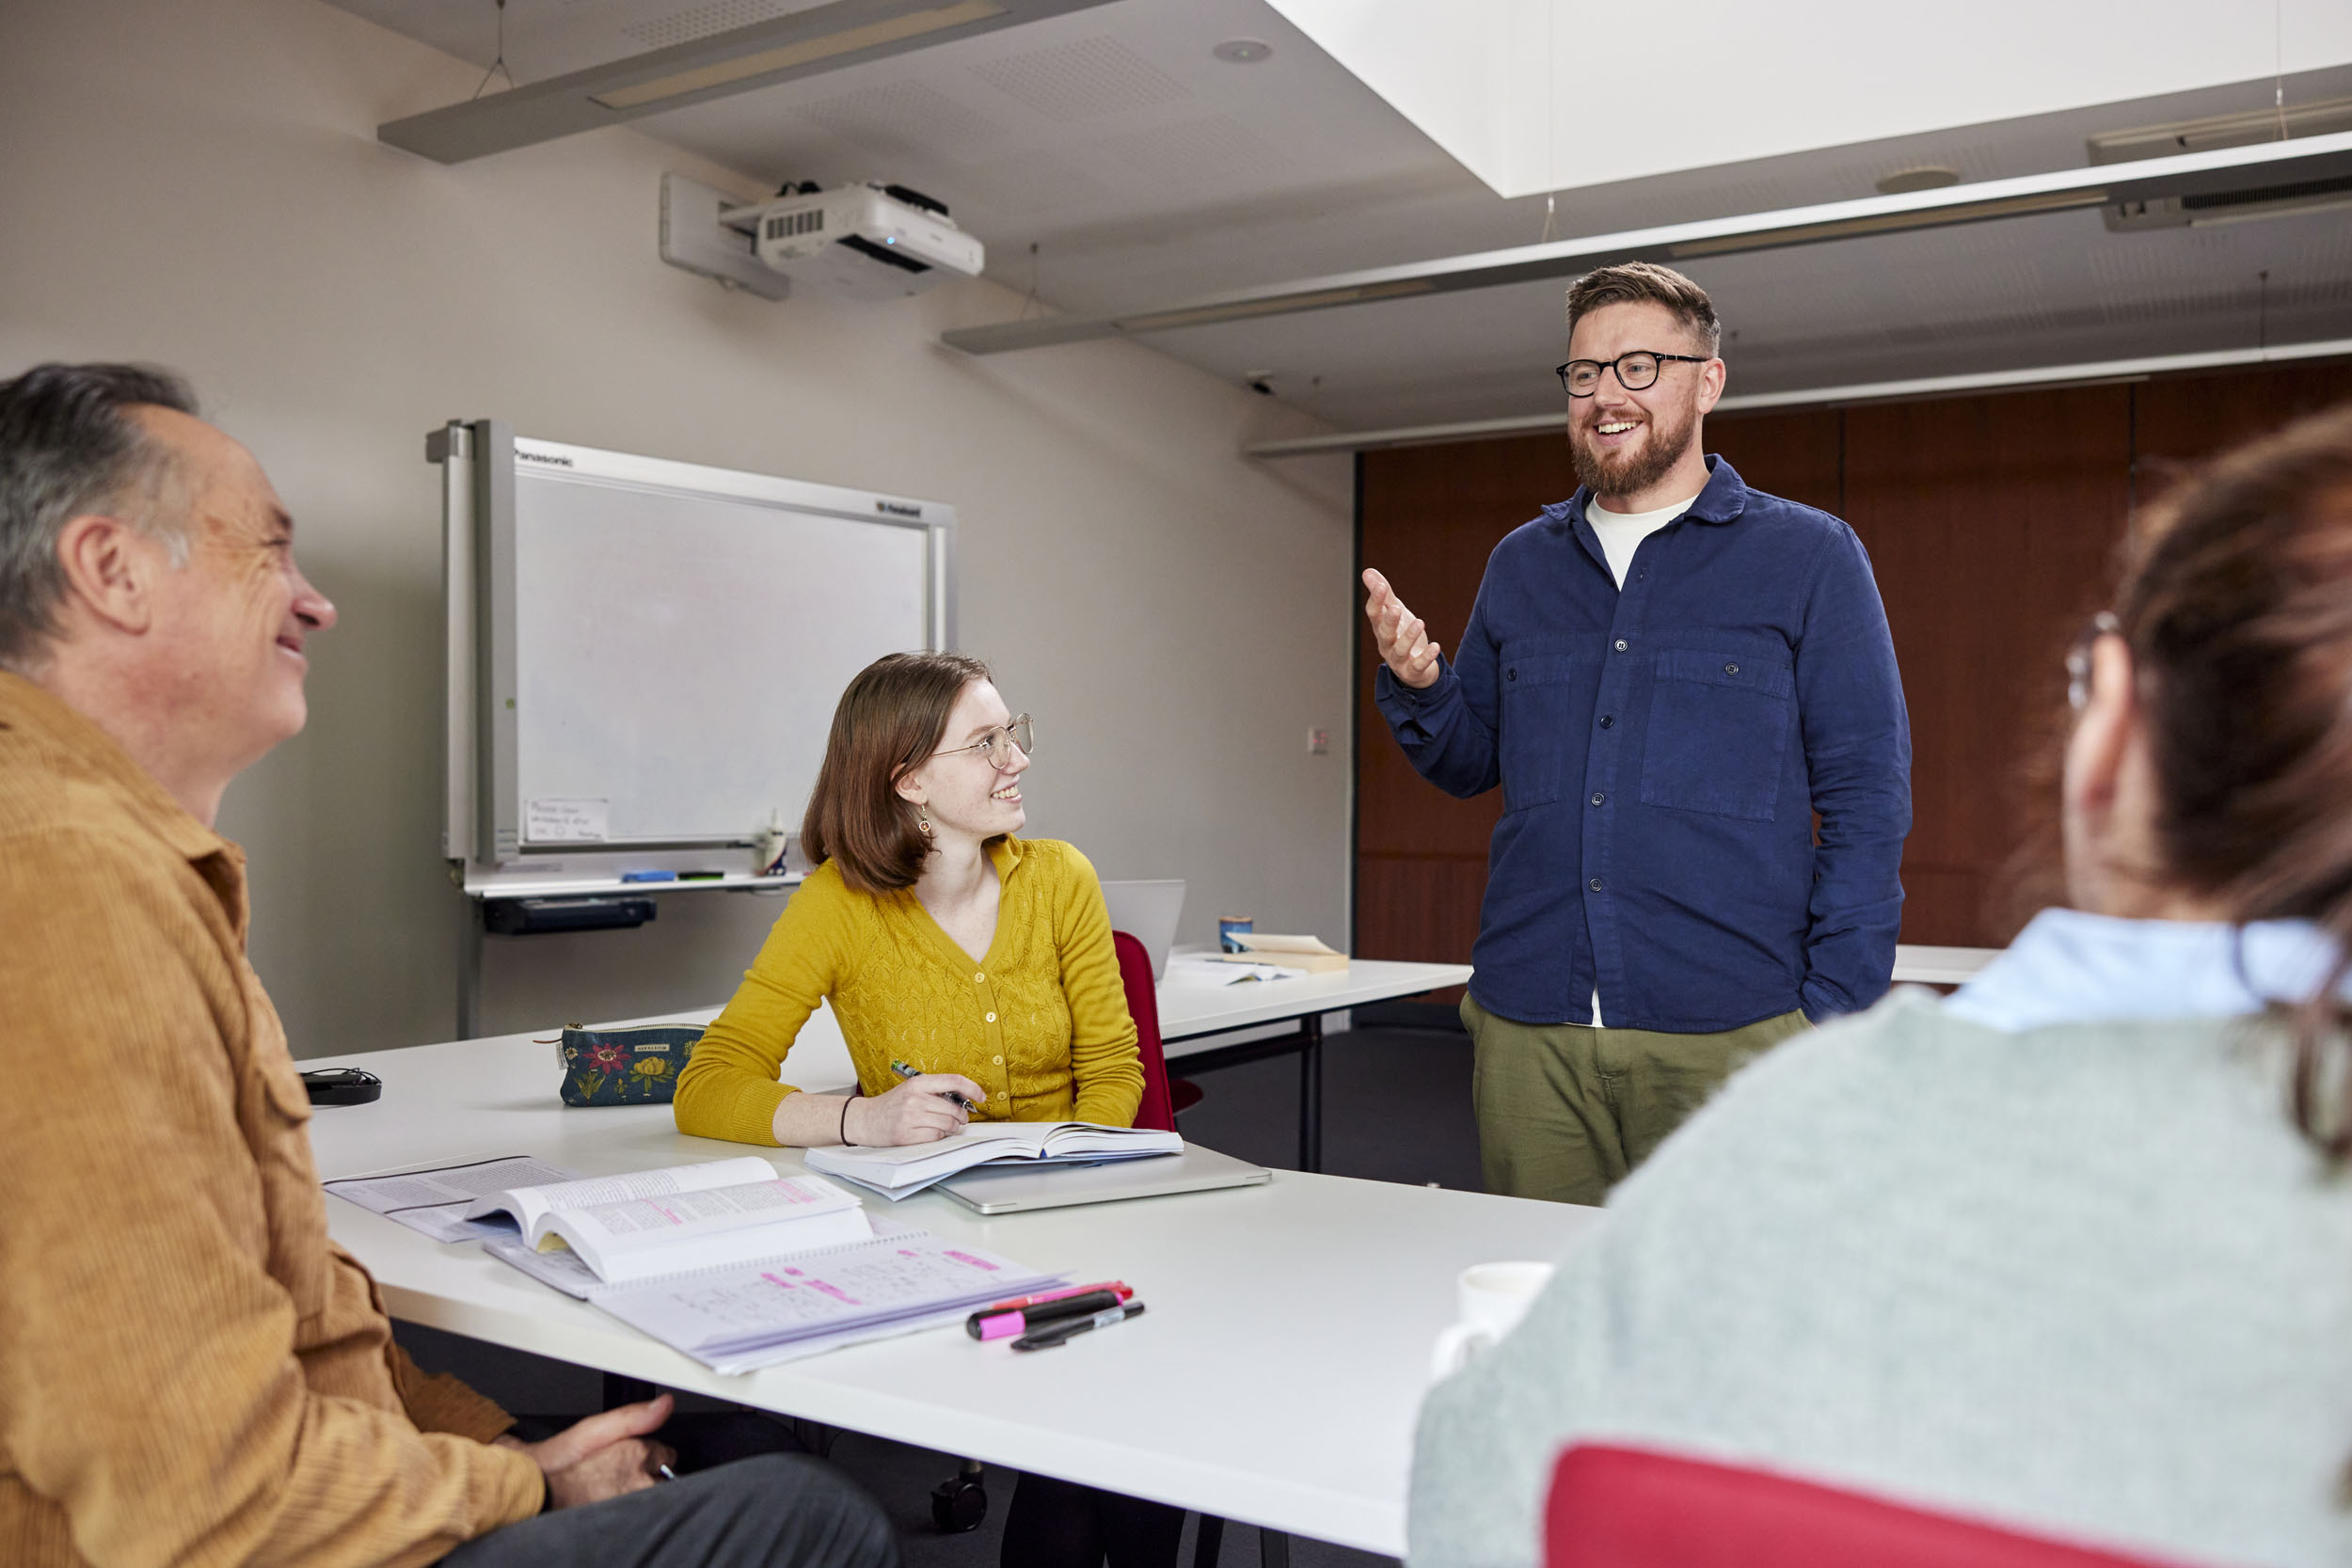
(2239, 206)
(2213, 134)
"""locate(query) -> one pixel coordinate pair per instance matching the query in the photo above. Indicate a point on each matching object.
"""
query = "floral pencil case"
(624, 1067)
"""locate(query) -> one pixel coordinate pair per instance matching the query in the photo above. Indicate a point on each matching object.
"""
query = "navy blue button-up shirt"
(1662, 750)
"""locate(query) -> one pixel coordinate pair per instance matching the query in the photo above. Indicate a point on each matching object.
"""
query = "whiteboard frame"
(482, 801)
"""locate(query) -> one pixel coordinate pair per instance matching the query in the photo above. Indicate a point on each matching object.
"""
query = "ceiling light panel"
(2064, 190)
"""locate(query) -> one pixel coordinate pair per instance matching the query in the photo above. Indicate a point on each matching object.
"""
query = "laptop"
(1012, 1189)
(1147, 912)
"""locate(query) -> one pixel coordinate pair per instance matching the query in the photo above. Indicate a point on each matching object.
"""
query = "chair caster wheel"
(959, 1505)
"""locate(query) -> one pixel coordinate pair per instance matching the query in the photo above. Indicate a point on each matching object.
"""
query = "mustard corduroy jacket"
(1040, 1024)
(190, 1371)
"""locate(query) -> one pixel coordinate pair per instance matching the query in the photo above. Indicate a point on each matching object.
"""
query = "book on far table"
(1312, 954)
(651, 1223)
(895, 1172)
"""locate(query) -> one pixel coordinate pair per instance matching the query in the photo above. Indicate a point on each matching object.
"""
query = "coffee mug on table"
(1491, 1299)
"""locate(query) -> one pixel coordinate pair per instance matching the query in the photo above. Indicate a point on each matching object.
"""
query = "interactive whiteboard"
(650, 651)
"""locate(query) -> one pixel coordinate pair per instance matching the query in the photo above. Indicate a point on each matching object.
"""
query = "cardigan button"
(999, 1061)
(979, 978)
(992, 1017)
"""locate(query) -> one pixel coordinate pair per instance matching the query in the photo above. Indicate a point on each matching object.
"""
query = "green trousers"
(1565, 1112)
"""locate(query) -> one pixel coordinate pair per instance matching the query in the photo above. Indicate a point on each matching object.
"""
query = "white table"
(1939, 966)
(1190, 1014)
(1274, 1381)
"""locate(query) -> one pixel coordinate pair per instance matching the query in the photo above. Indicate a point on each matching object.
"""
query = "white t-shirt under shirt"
(1621, 533)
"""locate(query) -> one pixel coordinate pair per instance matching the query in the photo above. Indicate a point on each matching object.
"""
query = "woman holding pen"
(942, 940)
(946, 943)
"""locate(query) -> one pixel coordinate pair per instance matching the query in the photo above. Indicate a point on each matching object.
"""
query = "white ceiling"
(1536, 95)
(1145, 171)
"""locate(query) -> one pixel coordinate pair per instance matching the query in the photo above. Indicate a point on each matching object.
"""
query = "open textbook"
(650, 1223)
(895, 1172)
(726, 1262)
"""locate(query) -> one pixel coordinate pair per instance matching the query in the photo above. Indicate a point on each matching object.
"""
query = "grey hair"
(69, 446)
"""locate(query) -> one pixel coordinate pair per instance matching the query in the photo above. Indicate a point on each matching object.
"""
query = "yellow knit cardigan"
(1041, 1022)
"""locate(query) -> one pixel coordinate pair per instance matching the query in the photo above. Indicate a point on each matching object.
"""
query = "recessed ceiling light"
(1928, 177)
(1242, 51)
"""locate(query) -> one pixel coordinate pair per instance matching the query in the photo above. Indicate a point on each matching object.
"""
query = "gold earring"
(922, 823)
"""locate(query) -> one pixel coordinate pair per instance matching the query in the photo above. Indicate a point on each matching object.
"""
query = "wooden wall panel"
(2179, 420)
(1990, 522)
(1797, 456)
(1430, 517)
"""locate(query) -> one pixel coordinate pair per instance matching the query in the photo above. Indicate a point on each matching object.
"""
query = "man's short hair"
(1647, 282)
(69, 446)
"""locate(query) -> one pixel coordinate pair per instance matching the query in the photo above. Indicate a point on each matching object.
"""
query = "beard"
(1630, 473)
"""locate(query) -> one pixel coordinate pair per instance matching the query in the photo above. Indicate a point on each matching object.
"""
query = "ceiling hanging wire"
(1551, 108)
(498, 63)
(2279, 64)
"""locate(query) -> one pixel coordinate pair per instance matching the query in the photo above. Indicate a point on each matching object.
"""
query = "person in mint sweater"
(2070, 1250)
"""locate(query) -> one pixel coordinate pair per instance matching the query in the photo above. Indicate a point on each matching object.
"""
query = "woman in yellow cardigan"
(942, 940)
(945, 943)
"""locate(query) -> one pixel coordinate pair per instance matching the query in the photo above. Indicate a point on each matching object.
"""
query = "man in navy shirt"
(1672, 677)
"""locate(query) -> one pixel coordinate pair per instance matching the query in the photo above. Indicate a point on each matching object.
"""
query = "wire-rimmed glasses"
(999, 742)
(2078, 658)
(1636, 370)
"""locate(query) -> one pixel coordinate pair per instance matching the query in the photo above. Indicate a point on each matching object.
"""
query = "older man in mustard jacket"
(190, 1371)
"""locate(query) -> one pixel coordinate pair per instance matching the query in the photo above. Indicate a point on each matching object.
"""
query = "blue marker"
(649, 876)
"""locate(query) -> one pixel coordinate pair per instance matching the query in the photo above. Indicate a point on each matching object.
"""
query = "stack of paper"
(911, 1167)
(756, 1314)
(1220, 969)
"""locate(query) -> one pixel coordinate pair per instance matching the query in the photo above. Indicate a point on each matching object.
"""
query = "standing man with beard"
(1671, 676)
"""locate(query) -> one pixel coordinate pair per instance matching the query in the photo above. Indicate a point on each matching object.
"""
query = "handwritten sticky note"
(566, 820)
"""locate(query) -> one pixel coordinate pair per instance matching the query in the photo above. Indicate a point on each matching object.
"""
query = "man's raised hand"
(1404, 643)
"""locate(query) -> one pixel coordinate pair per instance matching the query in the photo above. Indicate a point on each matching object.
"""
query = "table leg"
(619, 1390)
(1311, 1092)
(1274, 1550)
(469, 972)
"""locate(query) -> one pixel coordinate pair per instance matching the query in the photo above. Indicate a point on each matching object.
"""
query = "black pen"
(1060, 1332)
(905, 1071)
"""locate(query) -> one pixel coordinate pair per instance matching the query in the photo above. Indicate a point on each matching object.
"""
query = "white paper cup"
(1490, 1299)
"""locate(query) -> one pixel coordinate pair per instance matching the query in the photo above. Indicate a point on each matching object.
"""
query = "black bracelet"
(845, 1121)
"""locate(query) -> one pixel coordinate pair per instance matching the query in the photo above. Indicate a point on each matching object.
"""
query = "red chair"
(1162, 1098)
(1632, 1508)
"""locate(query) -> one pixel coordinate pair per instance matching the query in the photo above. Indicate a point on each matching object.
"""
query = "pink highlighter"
(1007, 1319)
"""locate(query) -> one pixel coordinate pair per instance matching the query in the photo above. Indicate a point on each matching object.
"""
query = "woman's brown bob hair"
(2236, 602)
(891, 718)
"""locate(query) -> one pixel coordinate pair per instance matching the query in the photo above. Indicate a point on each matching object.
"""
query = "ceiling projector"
(870, 241)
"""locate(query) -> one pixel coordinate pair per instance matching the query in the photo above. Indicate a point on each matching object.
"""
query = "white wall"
(200, 185)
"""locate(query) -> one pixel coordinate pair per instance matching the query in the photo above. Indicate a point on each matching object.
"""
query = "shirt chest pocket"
(1538, 692)
(277, 1115)
(1719, 726)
